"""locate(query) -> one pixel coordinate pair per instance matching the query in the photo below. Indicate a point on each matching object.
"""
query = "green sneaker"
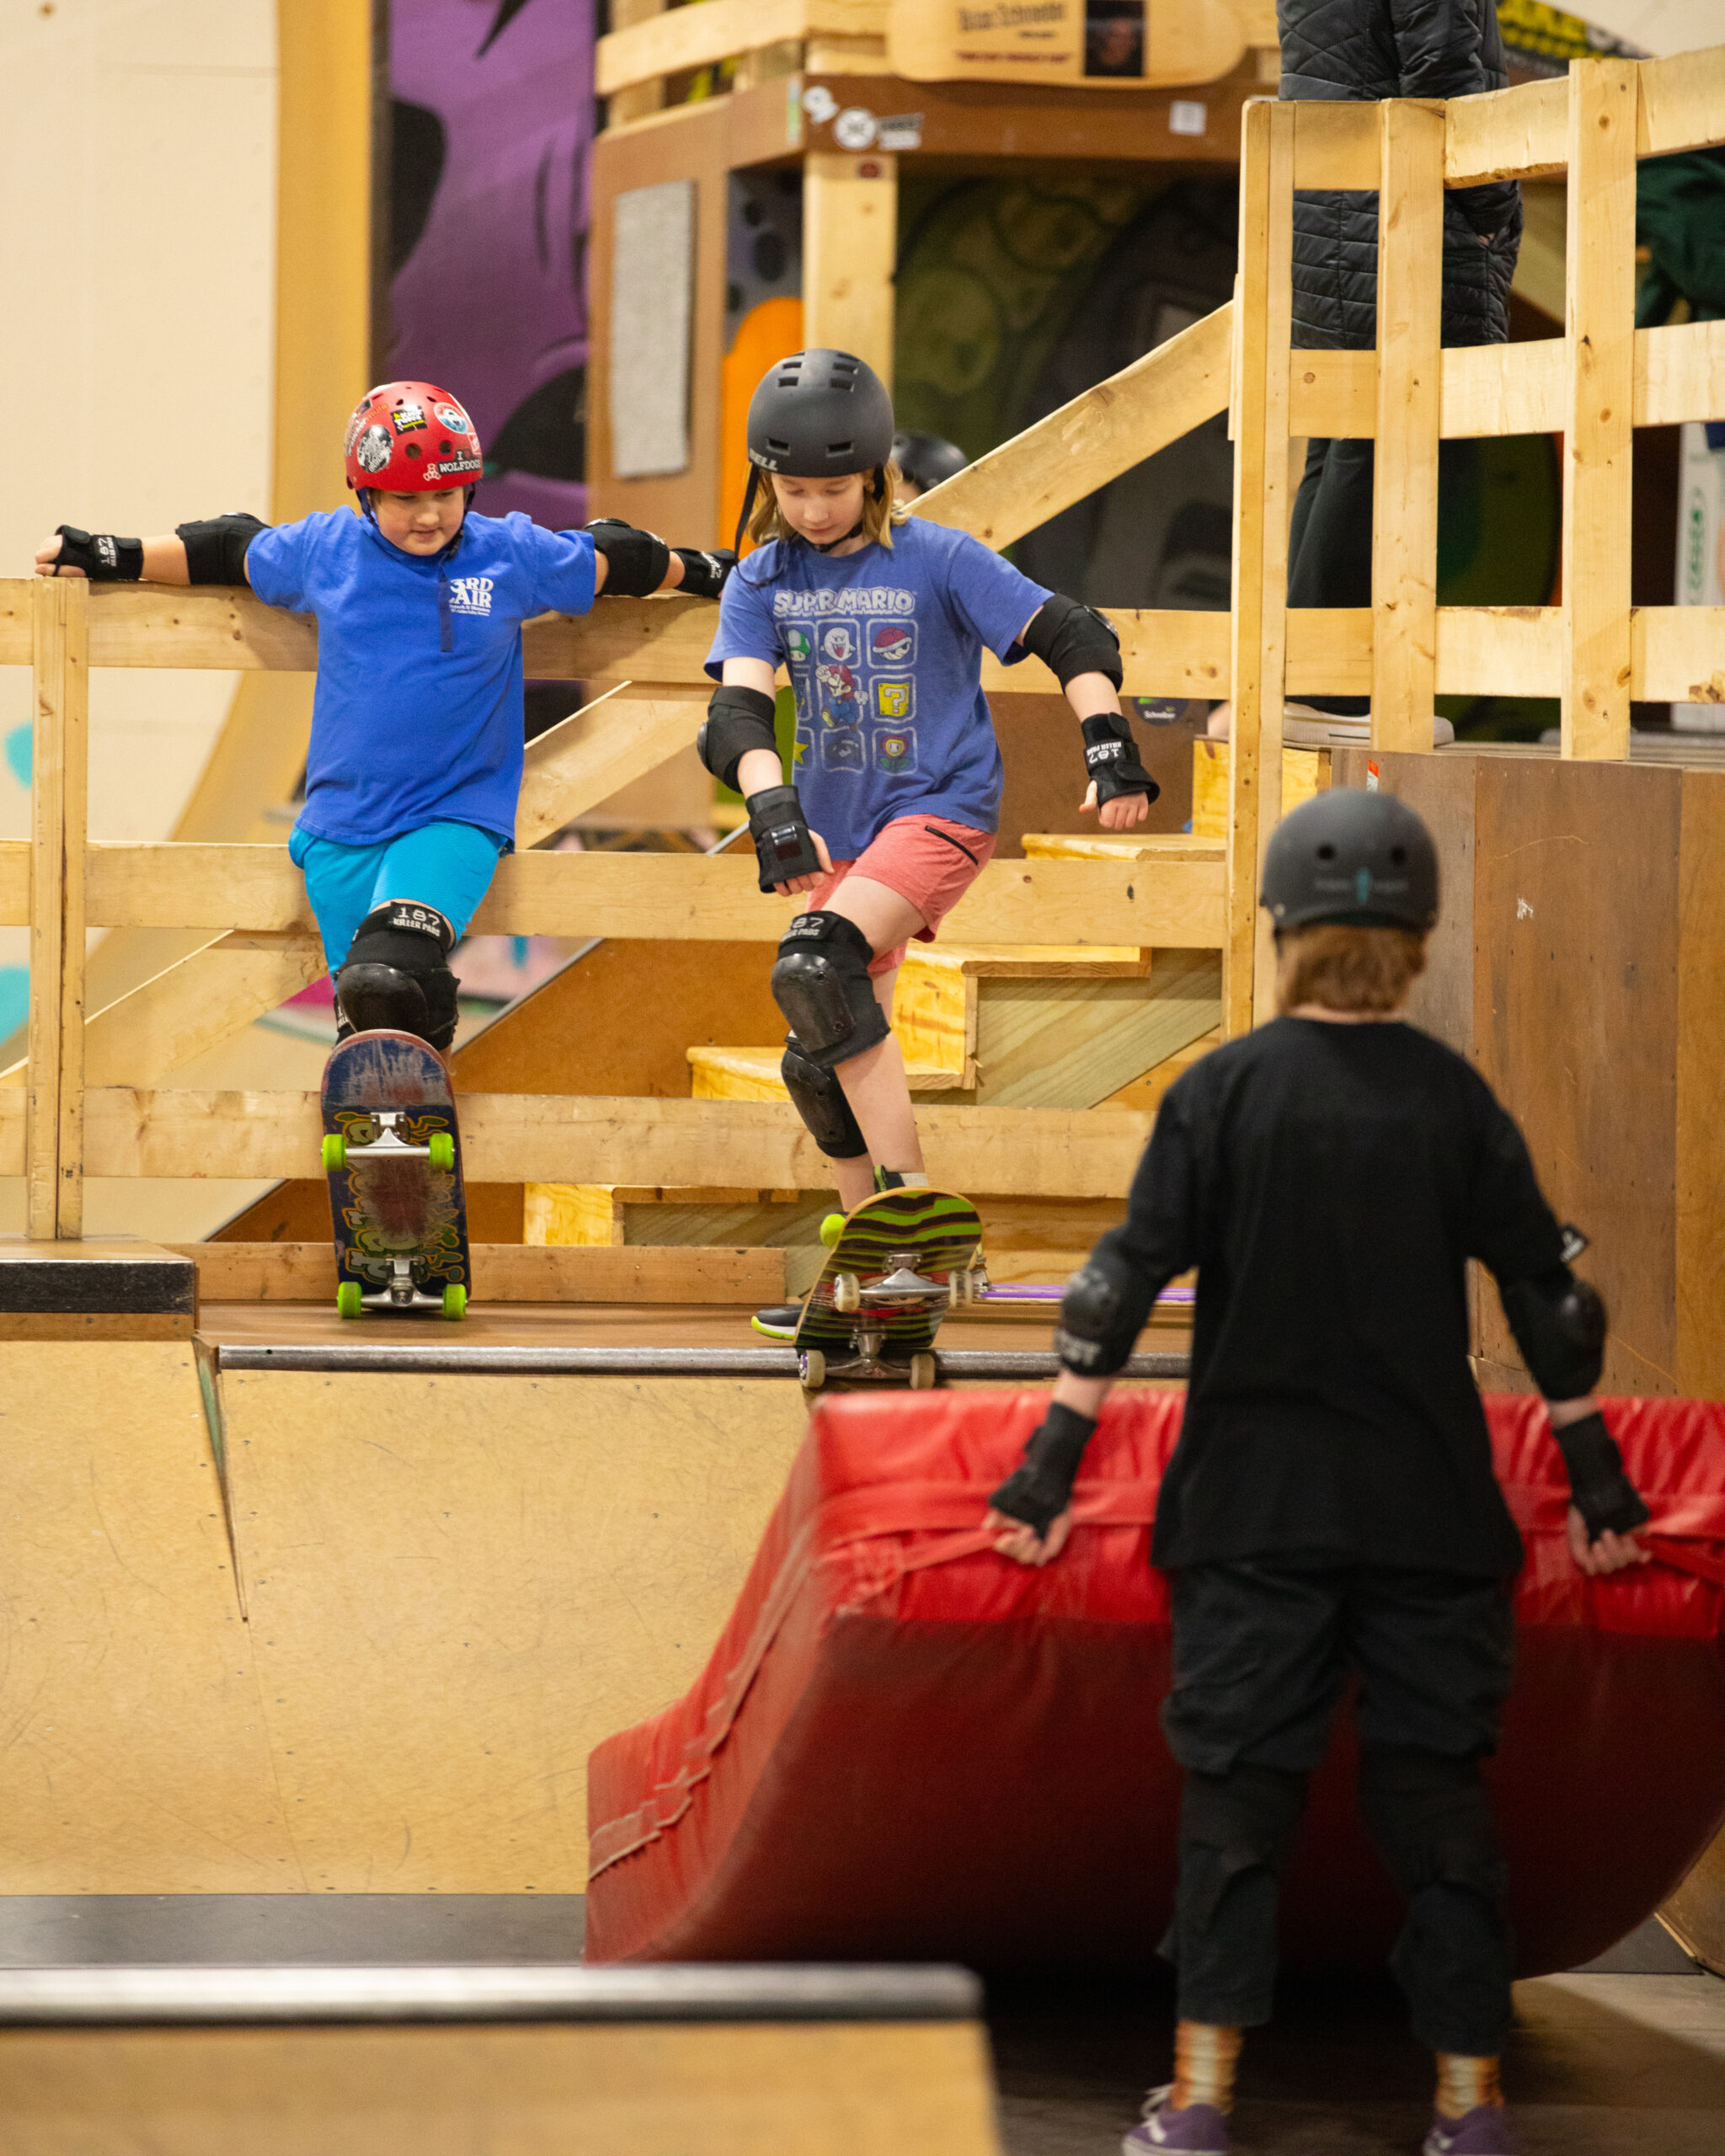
(779, 1322)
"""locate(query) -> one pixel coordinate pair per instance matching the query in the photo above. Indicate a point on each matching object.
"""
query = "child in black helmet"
(1331, 1505)
(881, 624)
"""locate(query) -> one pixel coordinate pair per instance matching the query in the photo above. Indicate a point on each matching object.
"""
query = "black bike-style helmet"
(817, 415)
(927, 460)
(1361, 859)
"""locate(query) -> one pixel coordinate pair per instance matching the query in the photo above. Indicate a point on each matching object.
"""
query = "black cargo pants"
(1262, 1655)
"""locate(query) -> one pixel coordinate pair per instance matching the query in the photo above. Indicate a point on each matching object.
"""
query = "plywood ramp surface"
(865, 2089)
(458, 1585)
(135, 1758)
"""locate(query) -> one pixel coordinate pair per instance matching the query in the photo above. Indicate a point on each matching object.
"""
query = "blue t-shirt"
(884, 649)
(417, 716)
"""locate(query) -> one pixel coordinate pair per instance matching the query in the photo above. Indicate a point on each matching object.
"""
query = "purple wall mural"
(492, 127)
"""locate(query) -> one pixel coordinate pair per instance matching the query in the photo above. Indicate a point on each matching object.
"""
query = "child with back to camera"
(890, 812)
(1331, 1506)
(414, 767)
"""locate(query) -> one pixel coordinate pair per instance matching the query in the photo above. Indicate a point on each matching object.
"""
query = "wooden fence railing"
(90, 1098)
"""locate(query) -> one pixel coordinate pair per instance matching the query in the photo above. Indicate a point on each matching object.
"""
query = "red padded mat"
(906, 1747)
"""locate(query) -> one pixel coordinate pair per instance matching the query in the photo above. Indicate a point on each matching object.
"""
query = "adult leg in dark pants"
(1329, 542)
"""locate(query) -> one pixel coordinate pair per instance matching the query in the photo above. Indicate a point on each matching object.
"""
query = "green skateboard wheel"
(350, 1297)
(831, 1228)
(334, 1156)
(455, 1296)
(442, 1152)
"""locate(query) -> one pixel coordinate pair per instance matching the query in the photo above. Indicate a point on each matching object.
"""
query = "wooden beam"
(553, 1138)
(1600, 439)
(667, 44)
(1519, 133)
(1505, 651)
(597, 751)
(1263, 314)
(1329, 651)
(641, 97)
(849, 250)
(509, 1273)
(1336, 145)
(1404, 572)
(1174, 905)
(1677, 653)
(1681, 102)
(59, 809)
(1092, 440)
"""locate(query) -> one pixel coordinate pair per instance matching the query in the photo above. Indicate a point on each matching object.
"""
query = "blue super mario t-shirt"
(417, 716)
(884, 649)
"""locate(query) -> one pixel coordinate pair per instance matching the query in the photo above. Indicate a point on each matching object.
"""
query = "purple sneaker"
(1485, 2131)
(1194, 2129)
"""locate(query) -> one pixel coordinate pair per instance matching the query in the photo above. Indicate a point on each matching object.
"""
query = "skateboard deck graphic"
(902, 1259)
(392, 1151)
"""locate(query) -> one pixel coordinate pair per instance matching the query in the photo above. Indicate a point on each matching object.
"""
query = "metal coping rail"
(455, 1361)
(690, 1992)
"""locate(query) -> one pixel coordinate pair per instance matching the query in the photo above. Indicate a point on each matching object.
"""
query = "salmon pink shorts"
(930, 861)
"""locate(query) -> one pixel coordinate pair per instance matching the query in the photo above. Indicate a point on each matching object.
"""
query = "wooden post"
(640, 99)
(59, 795)
(1404, 536)
(1600, 445)
(1263, 328)
(850, 252)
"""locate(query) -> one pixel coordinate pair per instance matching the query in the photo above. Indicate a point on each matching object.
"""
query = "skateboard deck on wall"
(392, 1151)
(901, 1261)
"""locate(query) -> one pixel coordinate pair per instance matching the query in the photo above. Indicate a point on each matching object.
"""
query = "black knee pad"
(820, 1099)
(821, 983)
(1240, 1822)
(1431, 1818)
(396, 976)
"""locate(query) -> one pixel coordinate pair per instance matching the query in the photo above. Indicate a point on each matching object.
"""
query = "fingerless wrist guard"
(215, 546)
(1601, 1493)
(783, 846)
(1070, 640)
(737, 720)
(703, 573)
(1040, 1491)
(1111, 758)
(103, 558)
(636, 562)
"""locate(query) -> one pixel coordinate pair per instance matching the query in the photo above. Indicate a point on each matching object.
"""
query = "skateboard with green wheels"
(897, 1265)
(392, 1152)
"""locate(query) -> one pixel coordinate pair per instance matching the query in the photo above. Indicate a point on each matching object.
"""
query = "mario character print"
(893, 643)
(840, 703)
(838, 643)
(895, 750)
(842, 751)
(894, 700)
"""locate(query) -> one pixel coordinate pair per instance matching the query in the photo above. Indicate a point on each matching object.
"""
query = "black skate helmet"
(927, 460)
(1362, 859)
(818, 415)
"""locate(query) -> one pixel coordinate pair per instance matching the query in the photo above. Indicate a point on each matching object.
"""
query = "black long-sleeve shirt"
(1329, 1183)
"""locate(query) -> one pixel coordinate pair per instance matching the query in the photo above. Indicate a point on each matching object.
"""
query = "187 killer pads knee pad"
(821, 983)
(396, 976)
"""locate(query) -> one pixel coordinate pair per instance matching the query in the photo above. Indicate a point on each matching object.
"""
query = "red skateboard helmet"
(411, 438)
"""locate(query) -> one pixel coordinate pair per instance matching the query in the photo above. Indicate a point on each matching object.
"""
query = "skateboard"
(392, 1152)
(898, 1264)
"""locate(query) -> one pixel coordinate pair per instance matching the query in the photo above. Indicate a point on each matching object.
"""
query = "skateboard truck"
(389, 1145)
(868, 1364)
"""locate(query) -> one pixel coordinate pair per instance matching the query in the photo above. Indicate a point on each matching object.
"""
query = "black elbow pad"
(1100, 1316)
(737, 721)
(636, 562)
(216, 546)
(1070, 640)
(1560, 1325)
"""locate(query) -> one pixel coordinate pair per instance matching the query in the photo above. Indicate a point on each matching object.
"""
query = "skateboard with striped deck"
(901, 1261)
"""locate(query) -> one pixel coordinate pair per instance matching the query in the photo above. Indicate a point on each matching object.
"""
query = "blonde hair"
(881, 509)
(1343, 968)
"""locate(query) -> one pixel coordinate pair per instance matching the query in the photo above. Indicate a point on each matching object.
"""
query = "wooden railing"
(91, 1099)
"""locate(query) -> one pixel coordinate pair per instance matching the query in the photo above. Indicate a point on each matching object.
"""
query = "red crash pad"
(906, 1747)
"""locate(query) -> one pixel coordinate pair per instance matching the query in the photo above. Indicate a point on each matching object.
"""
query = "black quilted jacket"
(1389, 49)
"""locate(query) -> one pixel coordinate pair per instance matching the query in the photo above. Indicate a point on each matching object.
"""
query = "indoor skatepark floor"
(1625, 2057)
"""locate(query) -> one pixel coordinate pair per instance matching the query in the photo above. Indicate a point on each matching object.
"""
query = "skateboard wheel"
(831, 1228)
(350, 1297)
(455, 1296)
(847, 1293)
(922, 1372)
(441, 1149)
(334, 1156)
(811, 1368)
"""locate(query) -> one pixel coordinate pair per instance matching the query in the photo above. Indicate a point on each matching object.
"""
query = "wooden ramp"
(435, 2060)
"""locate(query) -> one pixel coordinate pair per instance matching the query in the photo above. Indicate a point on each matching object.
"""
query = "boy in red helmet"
(414, 765)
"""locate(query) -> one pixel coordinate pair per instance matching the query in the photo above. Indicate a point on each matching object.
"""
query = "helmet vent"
(1398, 857)
(779, 448)
(1327, 852)
(839, 448)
